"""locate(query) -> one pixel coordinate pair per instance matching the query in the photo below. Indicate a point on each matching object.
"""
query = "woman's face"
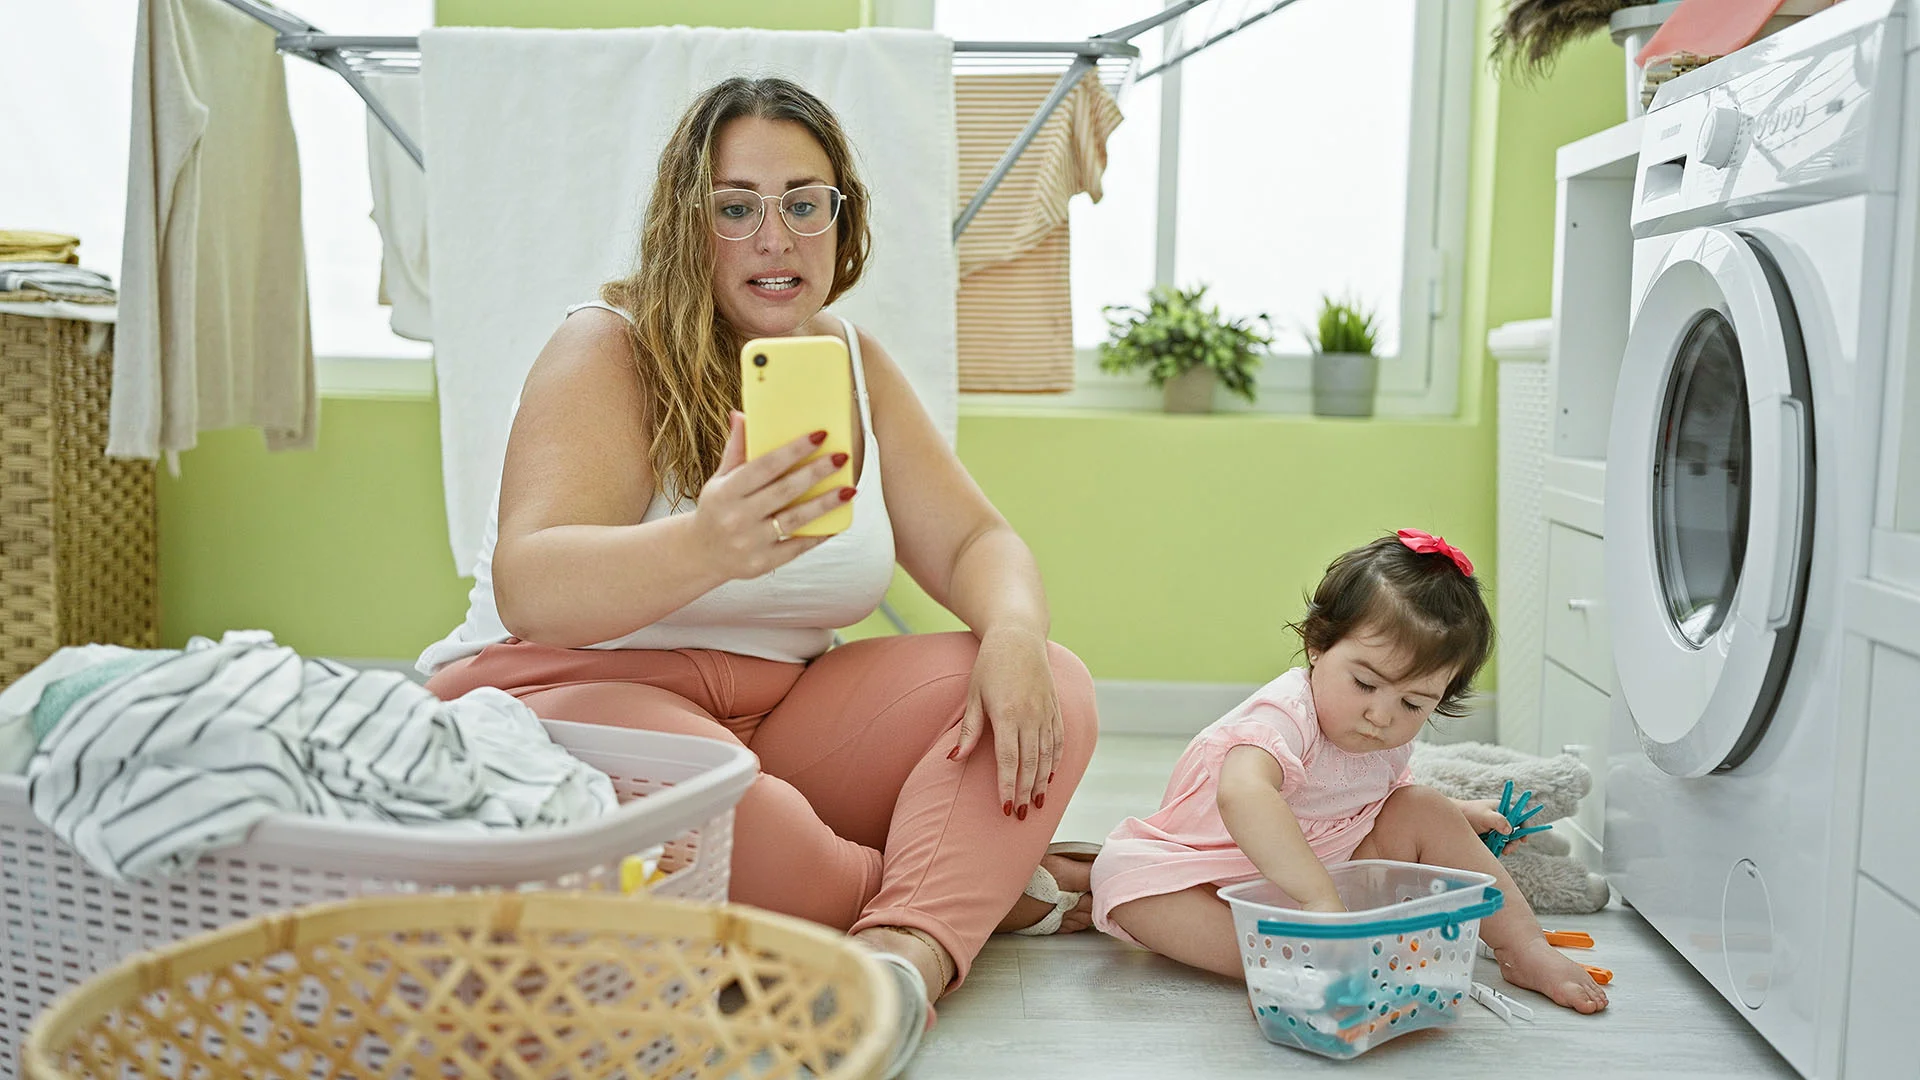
(771, 283)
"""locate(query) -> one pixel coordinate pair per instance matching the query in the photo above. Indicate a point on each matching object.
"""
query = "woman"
(912, 783)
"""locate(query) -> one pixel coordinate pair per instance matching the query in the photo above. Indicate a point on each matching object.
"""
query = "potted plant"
(1186, 347)
(1345, 370)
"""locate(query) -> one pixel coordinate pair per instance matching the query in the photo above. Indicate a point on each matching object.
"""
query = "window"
(80, 52)
(1319, 150)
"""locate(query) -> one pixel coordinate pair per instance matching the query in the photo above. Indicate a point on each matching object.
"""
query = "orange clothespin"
(1600, 975)
(1570, 939)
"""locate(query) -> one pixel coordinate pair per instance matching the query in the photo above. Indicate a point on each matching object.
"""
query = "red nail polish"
(1040, 800)
(953, 753)
(1049, 778)
(1021, 813)
(1008, 808)
(845, 494)
(818, 437)
(839, 460)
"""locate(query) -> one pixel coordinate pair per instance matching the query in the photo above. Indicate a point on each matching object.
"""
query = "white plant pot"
(1191, 391)
(1343, 383)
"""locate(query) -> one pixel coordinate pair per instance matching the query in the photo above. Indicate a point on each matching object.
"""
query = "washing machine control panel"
(1818, 121)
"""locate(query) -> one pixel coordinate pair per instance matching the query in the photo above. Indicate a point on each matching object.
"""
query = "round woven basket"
(522, 985)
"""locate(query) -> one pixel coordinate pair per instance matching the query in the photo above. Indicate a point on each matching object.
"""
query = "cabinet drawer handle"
(1580, 604)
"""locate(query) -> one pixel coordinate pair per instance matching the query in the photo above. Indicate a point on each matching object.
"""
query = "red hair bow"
(1429, 544)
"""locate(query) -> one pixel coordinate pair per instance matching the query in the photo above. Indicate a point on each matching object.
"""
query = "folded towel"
(58, 281)
(541, 148)
(25, 245)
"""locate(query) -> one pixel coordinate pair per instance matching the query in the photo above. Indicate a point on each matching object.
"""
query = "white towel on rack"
(400, 206)
(541, 147)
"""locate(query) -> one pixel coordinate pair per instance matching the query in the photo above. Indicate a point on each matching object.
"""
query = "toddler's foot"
(1540, 967)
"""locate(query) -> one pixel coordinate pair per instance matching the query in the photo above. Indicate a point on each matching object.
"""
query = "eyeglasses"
(737, 214)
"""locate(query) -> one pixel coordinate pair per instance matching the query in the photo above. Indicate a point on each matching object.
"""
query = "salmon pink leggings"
(857, 819)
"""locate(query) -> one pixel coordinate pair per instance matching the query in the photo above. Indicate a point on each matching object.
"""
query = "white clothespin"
(1499, 1004)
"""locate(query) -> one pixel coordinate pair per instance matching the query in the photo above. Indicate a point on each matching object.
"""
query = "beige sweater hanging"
(1015, 316)
(213, 329)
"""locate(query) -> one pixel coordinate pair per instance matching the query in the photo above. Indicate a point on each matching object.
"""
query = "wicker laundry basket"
(523, 985)
(78, 557)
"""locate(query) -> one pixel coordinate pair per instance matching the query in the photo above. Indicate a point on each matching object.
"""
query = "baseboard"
(1129, 707)
(1140, 707)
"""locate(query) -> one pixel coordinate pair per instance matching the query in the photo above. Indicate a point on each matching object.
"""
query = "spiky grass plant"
(1345, 327)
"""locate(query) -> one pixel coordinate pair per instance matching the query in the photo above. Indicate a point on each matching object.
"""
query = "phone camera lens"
(759, 361)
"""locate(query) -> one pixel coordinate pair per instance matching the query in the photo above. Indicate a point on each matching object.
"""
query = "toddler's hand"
(1484, 815)
(1333, 905)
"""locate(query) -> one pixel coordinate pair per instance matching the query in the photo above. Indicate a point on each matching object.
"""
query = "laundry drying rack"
(1189, 27)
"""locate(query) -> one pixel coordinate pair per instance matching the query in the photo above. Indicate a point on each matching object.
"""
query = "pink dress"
(1335, 795)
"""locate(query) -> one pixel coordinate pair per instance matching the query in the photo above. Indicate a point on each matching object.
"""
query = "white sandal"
(1042, 887)
(914, 1012)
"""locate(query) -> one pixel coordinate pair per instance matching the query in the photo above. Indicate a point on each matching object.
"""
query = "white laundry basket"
(1399, 959)
(62, 922)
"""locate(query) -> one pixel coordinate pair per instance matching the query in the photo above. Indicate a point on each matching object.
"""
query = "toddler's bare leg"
(1193, 926)
(1418, 824)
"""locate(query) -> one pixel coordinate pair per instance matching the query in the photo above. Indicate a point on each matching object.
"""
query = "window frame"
(1423, 378)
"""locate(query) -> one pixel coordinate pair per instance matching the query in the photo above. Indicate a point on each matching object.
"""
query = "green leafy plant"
(1176, 332)
(1345, 327)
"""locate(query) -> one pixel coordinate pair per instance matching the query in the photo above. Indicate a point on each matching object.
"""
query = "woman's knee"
(1073, 690)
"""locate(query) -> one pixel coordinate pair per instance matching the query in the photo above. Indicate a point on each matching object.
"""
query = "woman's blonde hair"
(686, 353)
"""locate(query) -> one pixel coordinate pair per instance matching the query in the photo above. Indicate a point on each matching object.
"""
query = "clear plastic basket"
(1399, 959)
(62, 922)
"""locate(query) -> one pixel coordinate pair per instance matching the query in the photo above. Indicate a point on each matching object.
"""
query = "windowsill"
(362, 378)
(996, 410)
(374, 378)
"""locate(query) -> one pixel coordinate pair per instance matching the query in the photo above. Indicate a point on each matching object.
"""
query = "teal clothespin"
(1517, 814)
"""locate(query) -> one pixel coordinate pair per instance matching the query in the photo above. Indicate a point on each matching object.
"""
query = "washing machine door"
(1709, 506)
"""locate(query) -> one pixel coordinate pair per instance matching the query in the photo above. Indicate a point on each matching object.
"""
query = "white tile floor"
(1086, 1005)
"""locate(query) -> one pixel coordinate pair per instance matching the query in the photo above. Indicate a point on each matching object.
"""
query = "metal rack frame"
(1112, 54)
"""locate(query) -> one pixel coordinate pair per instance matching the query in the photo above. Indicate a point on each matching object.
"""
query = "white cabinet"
(1573, 719)
(1886, 953)
(1889, 847)
(1592, 276)
(1577, 631)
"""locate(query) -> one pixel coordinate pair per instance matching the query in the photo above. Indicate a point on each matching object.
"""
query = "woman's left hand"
(1012, 688)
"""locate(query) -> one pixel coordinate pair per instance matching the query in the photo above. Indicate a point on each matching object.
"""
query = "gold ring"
(780, 534)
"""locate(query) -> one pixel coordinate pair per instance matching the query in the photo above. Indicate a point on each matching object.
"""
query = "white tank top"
(789, 614)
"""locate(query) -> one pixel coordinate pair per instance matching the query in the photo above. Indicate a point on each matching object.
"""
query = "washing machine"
(1741, 464)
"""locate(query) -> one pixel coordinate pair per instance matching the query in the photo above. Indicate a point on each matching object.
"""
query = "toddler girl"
(1312, 770)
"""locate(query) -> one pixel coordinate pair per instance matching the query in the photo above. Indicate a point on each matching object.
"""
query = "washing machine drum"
(1709, 511)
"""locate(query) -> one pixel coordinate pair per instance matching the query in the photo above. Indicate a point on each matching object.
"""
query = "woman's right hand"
(743, 518)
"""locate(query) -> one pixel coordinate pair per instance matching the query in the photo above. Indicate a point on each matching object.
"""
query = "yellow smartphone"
(794, 386)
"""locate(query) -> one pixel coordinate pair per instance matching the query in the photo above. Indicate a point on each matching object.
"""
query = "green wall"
(1174, 548)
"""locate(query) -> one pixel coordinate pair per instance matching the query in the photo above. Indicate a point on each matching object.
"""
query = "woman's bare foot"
(1538, 966)
(1072, 875)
